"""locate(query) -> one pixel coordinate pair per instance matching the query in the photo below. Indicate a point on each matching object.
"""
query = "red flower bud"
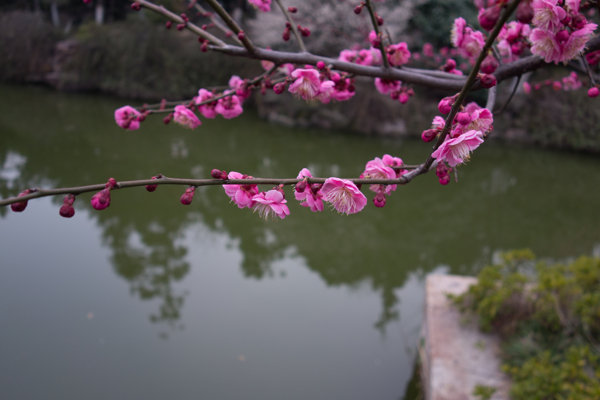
(445, 180)
(136, 6)
(378, 19)
(379, 200)
(463, 118)
(593, 92)
(489, 64)
(101, 200)
(286, 35)
(180, 27)
(524, 12)
(358, 9)
(320, 65)
(66, 211)
(241, 35)
(151, 188)
(300, 186)
(188, 196)
(488, 81)
(489, 17)
(169, 24)
(204, 47)
(429, 135)
(279, 87)
(293, 10)
(19, 207)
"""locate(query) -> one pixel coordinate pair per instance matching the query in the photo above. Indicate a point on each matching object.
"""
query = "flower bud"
(136, 6)
(241, 35)
(286, 35)
(489, 64)
(184, 18)
(593, 92)
(19, 207)
(429, 135)
(320, 65)
(335, 77)
(215, 173)
(304, 31)
(579, 21)
(562, 36)
(445, 105)
(66, 211)
(101, 200)
(524, 12)
(279, 87)
(378, 19)
(379, 200)
(489, 17)
(180, 27)
(169, 24)
(450, 65)
(556, 85)
(300, 186)
(204, 47)
(403, 98)
(293, 10)
(445, 180)
(488, 81)
(152, 188)
(463, 118)
(188, 196)
(358, 9)
(441, 170)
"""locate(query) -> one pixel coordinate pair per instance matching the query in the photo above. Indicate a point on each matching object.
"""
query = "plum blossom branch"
(217, 23)
(176, 18)
(472, 76)
(371, 9)
(231, 24)
(292, 26)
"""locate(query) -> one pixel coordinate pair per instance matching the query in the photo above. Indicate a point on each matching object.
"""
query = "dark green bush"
(548, 316)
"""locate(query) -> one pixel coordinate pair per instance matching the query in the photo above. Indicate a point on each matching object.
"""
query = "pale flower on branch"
(343, 195)
(311, 196)
(229, 107)
(207, 110)
(458, 150)
(241, 194)
(547, 15)
(126, 118)
(186, 117)
(376, 169)
(270, 204)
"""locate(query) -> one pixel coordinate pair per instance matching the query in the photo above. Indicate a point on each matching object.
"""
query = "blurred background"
(153, 299)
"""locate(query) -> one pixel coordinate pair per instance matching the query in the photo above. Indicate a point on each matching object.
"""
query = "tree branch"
(231, 23)
(217, 23)
(293, 26)
(371, 9)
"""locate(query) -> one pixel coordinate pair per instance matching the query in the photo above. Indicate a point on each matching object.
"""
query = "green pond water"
(152, 299)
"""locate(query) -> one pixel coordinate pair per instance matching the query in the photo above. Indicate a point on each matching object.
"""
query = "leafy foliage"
(549, 318)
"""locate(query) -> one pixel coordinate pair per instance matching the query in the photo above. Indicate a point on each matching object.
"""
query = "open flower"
(398, 54)
(547, 14)
(262, 5)
(458, 150)
(207, 110)
(343, 195)
(394, 162)
(271, 204)
(307, 84)
(376, 169)
(126, 118)
(386, 86)
(469, 42)
(241, 194)
(229, 107)
(311, 196)
(186, 117)
(481, 120)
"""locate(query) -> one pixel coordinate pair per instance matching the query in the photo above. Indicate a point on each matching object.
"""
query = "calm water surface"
(151, 299)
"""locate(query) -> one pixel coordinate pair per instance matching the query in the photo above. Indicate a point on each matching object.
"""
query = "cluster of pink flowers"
(567, 83)
(466, 40)
(561, 31)
(465, 135)
(128, 118)
(262, 5)
(394, 89)
(397, 54)
(310, 84)
(512, 40)
(386, 167)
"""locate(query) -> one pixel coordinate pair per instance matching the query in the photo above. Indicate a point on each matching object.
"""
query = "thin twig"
(589, 71)
(293, 26)
(218, 23)
(230, 23)
(510, 97)
(386, 63)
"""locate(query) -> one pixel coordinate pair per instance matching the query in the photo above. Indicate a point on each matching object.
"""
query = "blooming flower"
(394, 162)
(398, 54)
(377, 169)
(385, 86)
(307, 84)
(262, 5)
(207, 110)
(571, 82)
(481, 120)
(365, 57)
(229, 107)
(469, 42)
(343, 195)
(311, 196)
(458, 150)
(270, 204)
(348, 55)
(547, 15)
(241, 194)
(126, 118)
(186, 117)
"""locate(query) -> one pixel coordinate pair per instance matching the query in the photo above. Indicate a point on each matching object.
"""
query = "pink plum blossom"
(101, 200)
(348, 55)
(385, 86)
(270, 204)
(394, 162)
(365, 57)
(229, 107)
(544, 44)
(526, 87)
(481, 120)
(547, 14)
(343, 195)
(307, 84)
(458, 150)
(239, 85)
(241, 194)
(262, 5)
(126, 118)
(469, 42)
(377, 169)
(571, 82)
(287, 68)
(186, 117)
(398, 54)
(207, 110)
(311, 196)
(576, 42)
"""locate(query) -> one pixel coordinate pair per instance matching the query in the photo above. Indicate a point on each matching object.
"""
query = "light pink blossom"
(241, 194)
(466, 40)
(186, 117)
(126, 118)
(307, 84)
(385, 86)
(262, 5)
(343, 195)
(348, 55)
(458, 150)
(270, 204)
(287, 68)
(571, 82)
(547, 14)
(229, 107)
(438, 122)
(574, 46)
(398, 54)
(311, 196)
(394, 162)
(544, 44)
(208, 109)
(481, 120)
(376, 53)
(365, 57)
(377, 169)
